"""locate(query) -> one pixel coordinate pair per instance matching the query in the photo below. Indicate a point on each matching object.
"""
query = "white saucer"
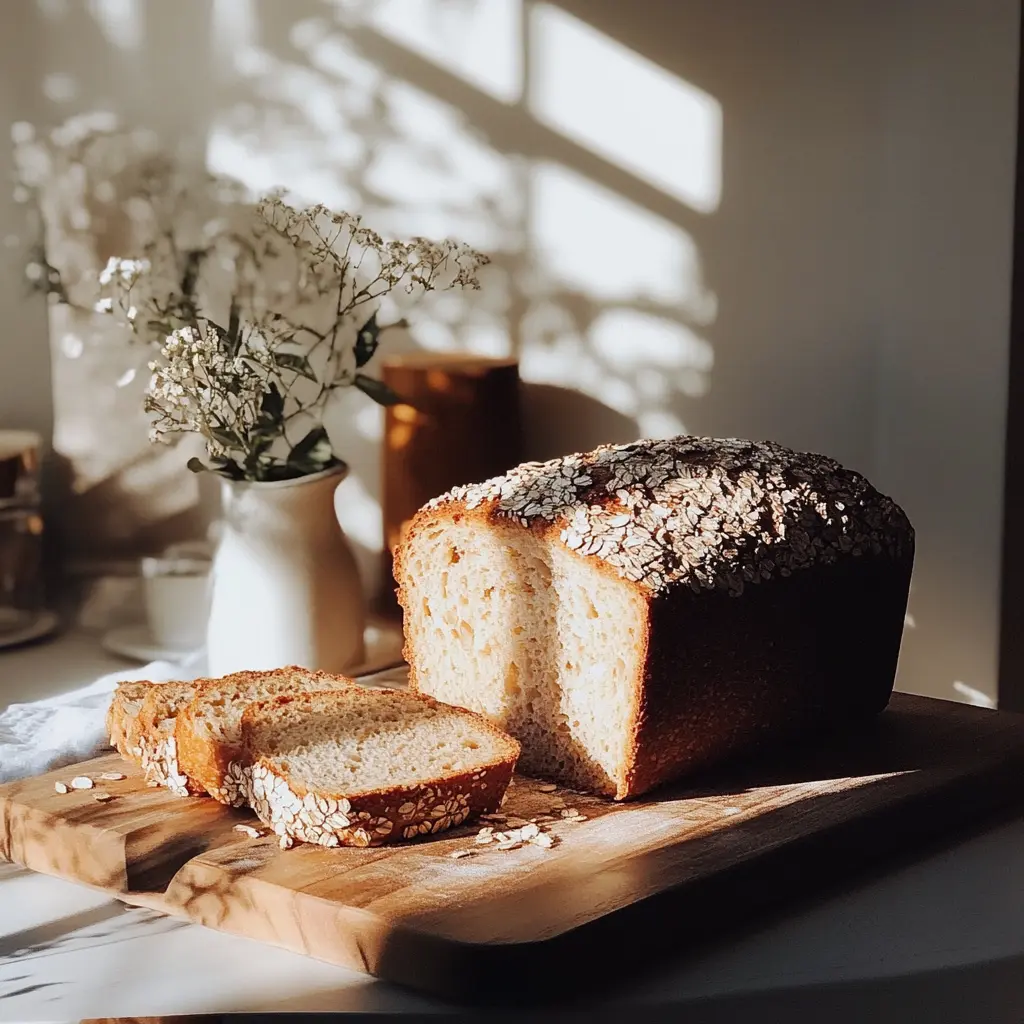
(34, 626)
(137, 643)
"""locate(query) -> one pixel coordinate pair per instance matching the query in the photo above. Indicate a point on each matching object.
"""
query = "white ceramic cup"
(176, 591)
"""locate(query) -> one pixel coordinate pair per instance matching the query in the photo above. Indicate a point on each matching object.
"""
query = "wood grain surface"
(615, 889)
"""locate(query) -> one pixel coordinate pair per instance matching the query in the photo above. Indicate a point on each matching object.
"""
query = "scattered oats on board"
(252, 833)
(571, 814)
(113, 776)
(102, 797)
(548, 787)
(60, 787)
(81, 782)
(456, 854)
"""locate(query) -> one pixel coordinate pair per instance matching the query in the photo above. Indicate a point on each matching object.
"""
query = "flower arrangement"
(259, 312)
(300, 323)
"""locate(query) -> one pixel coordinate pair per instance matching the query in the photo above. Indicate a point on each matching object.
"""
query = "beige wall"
(784, 219)
(24, 355)
(942, 264)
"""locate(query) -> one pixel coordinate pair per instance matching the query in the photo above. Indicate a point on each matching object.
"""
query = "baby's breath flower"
(299, 292)
(198, 387)
(108, 273)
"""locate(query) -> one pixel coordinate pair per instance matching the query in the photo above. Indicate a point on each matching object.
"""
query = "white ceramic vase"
(286, 588)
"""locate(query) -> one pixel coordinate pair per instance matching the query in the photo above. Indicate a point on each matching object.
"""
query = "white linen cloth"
(47, 734)
(51, 733)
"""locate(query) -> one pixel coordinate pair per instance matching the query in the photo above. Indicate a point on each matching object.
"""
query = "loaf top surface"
(708, 513)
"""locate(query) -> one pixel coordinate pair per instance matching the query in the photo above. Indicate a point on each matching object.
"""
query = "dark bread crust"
(791, 656)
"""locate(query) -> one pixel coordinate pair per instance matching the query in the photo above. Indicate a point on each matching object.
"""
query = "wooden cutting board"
(619, 884)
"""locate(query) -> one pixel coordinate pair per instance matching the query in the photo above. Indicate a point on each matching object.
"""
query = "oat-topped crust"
(708, 513)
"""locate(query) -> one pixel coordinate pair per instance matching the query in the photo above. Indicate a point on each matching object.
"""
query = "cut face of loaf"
(208, 731)
(361, 767)
(642, 611)
(545, 644)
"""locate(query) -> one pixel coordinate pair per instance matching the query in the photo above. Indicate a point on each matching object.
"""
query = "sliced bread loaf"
(123, 719)
(361, 767)
(156, 735)
(642, 611)
(207, 732)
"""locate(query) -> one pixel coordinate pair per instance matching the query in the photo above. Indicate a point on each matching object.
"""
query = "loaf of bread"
(645, 610)
(361, 767)
(208, 730)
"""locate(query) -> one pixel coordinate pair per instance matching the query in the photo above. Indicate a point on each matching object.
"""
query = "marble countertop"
(933, 939)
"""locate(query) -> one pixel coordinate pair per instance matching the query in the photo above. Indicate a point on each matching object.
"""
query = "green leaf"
(274, 471)
(197, 465)
(376, 389)
(314, 450)
(367, 340)
(283, 471)
(228, 468)
(190, 272)
(261, 441)
(272, 406)
(228, 438)
(296, 363)
(233, 322)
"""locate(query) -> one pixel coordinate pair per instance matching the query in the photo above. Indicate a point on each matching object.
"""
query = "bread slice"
(207, 731)
(156, 735)
(361, 766)
(123, 718)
